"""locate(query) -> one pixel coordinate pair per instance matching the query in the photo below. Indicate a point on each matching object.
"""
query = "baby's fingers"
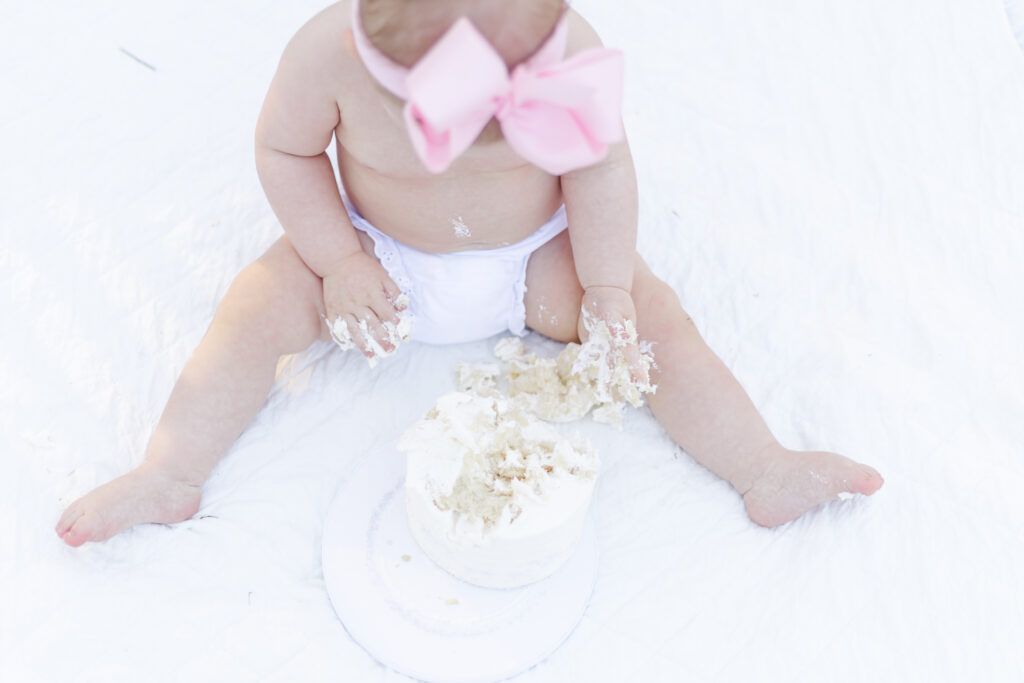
(370, 334)
(386, 307)
(340, 329)
(637, 372)
(392, 294)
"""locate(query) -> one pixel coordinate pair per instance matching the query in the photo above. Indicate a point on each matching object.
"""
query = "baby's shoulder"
(321, 46)
(581, 34)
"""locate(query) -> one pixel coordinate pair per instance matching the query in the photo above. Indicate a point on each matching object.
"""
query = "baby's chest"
(380, 142)
(488, 197)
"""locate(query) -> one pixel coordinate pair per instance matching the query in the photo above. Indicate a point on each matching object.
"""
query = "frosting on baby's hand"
(593, 376)
(602, 359)
(396, 332)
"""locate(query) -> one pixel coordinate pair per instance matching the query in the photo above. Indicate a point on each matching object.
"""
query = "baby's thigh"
(553, 291)
(278, 297)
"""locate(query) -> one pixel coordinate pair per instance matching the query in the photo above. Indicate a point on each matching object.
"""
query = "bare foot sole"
(146, 494)
(797, 481)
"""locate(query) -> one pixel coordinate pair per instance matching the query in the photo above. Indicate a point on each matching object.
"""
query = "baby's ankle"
(173, 472)
(755, 466)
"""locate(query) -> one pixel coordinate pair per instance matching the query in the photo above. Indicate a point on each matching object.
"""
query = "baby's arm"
(296, 124)
(295, 127)
(601, 204)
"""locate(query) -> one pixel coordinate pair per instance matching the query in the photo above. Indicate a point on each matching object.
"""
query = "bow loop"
(450, 95)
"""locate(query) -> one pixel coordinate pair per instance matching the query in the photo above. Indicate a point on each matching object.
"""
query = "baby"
(488, 187)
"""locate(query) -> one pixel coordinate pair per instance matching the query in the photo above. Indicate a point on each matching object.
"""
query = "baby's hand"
(615, 307)
(363, 306)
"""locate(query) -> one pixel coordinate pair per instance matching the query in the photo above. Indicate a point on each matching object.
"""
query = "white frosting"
(592, 376)
(601, 359)
(495, 496)
(396, 332)
(478, 378)
(460, 227)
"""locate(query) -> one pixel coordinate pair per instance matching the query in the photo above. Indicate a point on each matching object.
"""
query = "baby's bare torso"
(489, 197)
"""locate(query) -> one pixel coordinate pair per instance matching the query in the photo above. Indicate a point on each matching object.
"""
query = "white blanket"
(836, 191)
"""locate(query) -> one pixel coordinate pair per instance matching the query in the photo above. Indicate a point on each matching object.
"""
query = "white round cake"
(495, 496)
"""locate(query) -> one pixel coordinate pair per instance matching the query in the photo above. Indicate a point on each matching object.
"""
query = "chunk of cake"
(585, 378)
(495, 496)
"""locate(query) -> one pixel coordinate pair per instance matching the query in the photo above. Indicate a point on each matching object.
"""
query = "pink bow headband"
(558, 114)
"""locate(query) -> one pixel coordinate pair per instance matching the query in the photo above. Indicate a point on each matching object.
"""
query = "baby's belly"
(440, 214)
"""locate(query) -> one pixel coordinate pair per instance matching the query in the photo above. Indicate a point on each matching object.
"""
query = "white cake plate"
(417, 618)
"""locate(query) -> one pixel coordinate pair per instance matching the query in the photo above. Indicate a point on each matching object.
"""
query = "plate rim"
(588, 543)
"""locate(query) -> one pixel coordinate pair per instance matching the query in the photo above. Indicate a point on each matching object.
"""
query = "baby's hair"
(405, 29)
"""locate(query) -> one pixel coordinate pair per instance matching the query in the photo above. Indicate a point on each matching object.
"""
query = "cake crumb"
(451, 601)
(593, 376)
(405, 558)
(480, 379)
(499, 455)
(460, 227)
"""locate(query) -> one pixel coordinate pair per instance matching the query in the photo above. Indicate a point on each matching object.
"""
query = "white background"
(836, 191)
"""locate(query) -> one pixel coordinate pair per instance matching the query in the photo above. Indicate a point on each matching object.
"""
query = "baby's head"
(405, 29)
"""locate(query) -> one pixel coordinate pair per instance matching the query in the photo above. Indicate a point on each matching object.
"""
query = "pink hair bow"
(559, 116)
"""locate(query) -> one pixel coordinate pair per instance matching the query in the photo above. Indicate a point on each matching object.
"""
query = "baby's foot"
(146, 494)
(796, 481)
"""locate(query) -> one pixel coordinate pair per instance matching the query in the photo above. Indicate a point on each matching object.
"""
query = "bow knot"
(559, 116)
(503, 105)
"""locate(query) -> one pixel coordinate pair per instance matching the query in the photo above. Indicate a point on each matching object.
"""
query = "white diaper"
(466, 295)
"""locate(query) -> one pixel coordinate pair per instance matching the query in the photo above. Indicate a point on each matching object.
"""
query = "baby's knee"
(661, 297)
(246, 294)
(266, 305)
(661, 316)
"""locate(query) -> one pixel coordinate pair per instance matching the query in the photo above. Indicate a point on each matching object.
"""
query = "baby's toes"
(88, 527)
(70, 516)
(866, 480)
(841, 477)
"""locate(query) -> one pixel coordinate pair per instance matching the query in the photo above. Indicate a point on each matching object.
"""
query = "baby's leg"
(272, 308)
(698, 401)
